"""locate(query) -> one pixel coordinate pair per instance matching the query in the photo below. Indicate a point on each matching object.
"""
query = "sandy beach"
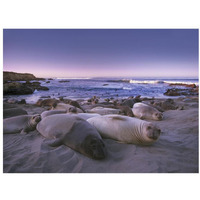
(176, 151)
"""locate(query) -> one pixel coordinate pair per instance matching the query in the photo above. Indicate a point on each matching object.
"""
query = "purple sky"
(102, 52)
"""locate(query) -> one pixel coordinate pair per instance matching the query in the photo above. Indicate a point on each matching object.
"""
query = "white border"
(98, 14)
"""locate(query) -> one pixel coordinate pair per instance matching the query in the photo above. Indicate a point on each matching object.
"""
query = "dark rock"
(47, 81)
(13, 76)
(182, 84)
(64, 81)
(15, 88)
(45, 97)
(50, 79)
(23, 101)
(179, 92)
(36, 85)
(42, 88)
(105, 84)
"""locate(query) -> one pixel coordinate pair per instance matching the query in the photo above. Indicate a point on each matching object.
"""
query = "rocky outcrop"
(179, 92)
(11, 87)
(13, 76)
(15, 88)
(36, 85)
(184, 85)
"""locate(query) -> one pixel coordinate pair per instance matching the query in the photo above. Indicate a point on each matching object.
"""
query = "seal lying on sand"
(104, 111)
(126, 110)
(68, 108)
(22, 123)
(144, 111)
(126, 129)
(84, 116)
(13, 112)
(74, 132)
(52, 112)
(73, 103)
(47, 102)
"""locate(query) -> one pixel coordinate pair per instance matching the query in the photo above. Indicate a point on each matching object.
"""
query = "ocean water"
(84, 88)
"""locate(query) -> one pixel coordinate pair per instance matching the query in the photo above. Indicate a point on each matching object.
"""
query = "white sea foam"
(145, 81)
(181, 82)
(74, 78)
(127, 88)
(160, 82)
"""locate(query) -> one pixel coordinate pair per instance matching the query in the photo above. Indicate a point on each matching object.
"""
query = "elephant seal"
(67, 107)
(20, 124)
(126, 129)
(47, 102)
(128, 102)
(86, 116)
(104, 111)
(13, 112)
(73, 132)
(73, 103)
(143, 111)
(126, 110)
(52, 112)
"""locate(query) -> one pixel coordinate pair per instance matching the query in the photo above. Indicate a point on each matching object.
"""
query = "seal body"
(47, 102)
(126, 110)
(143, 111)
(126, 129)
(13, 112)
(20, 124)
(73, 132)
(52, 112)
(104, 111)
(86, 116)
(67, 107)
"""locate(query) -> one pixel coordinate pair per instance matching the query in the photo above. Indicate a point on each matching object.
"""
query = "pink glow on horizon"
(128, 70)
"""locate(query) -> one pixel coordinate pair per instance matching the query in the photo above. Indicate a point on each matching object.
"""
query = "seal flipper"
(55, 142)
(23, 132)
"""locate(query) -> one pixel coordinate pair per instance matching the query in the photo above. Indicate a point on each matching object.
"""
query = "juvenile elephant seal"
(126, 110)
(13, 112)
(144, 111)
(126, 129)
(74, 132)
(47, 102)
(86, 116)
(104, 111)
(67, 107)
(52, 112)
(73, 103)
(20, 124)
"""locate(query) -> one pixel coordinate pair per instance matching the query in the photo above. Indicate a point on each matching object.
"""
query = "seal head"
(94, 147)
(152, 132)
(158, 116)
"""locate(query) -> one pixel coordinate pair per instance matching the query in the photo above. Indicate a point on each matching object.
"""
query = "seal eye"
(148, 127)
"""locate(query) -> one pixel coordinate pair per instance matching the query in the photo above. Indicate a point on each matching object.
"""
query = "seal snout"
(37, 118)
(159, 116)
(153, 132)
(95, 148)
(99, 151)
